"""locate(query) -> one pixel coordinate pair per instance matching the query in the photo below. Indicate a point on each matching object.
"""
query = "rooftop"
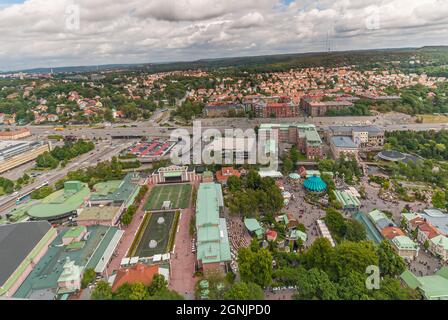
(347, 199)
(437, 218)
(116, 191)
(440, 240)
(350, 129)
(405, 243)
(139, 273)
(61, 202)
(252, 225)
(13, 148)
(213, 242)
(315, 184)
(19, 241)
(343, 142)
(105, 213)
(46, 273)
(433, 287)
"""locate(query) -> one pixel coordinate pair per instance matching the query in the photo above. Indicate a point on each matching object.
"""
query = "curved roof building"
(315, 184)
(62, 203)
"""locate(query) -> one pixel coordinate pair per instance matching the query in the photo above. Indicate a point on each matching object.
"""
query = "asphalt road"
(103, 151)
(149, 129)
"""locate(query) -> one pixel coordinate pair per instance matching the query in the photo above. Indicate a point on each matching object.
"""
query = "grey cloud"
(34, 33)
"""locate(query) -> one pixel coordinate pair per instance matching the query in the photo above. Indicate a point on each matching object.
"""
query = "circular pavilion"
(315, 184)
(391, 155)
(294, 176)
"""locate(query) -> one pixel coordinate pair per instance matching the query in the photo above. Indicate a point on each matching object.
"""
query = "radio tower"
(328, 43)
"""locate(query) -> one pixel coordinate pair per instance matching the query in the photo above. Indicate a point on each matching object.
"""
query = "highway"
(388, 122)
(103, 151)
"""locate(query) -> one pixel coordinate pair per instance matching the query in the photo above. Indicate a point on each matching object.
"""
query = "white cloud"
(35, 33)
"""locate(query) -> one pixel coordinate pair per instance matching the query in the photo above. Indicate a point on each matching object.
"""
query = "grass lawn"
(179, 195)
(432, 118)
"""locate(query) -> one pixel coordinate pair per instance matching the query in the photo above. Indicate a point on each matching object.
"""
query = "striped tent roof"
(315, 184)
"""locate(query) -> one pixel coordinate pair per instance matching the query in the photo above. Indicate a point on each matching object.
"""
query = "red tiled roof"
(271, 234)
(429, 230)
(417, 221)
(392, 232)
(139, 273)
(225, 173)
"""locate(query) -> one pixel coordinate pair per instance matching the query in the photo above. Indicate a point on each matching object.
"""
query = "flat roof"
(98, 213)
(11, 148)
(46, 273)
(404, 242)
(208, 202)
(116, 190)
(17, 241)
(212, 238)
(350, 129)
(252, 225)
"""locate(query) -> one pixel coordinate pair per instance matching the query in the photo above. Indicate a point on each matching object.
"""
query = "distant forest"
(434, 57)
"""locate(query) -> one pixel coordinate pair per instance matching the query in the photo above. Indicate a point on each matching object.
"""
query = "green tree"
(158, 284)
(102, 291)
(294, 155)
(391, 263)
(315, 284)
(288, 166)
(126, 219)
(353, 287)
(391, 289)
(335, 223)
(134, 291)
(355, 231)
(88, 277)
(46, 160)
(244, 291)
(255, 267)
(353, 256)
(319, 255)
(42, 192)
(138, 292)
(439, 200)
(234, 183)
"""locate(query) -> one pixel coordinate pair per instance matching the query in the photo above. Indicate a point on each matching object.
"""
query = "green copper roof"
(208, 203)
(315, 184)
(294, 176)
(440, 240)
(116, 190)
(404, 242)
(433, 287)
(212, 239)
(346, 199)
(377, 215)
(252, 225)
(61, 202)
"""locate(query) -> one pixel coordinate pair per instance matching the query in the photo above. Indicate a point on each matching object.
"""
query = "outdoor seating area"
(238, 237)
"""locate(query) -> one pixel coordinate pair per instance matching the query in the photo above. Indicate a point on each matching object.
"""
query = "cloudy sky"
(51, 33)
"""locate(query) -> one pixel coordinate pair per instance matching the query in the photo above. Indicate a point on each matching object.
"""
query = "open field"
(158, 229)
(178, 194)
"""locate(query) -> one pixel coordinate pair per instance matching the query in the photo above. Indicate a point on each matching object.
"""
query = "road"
(103, 151)
(150, 129)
